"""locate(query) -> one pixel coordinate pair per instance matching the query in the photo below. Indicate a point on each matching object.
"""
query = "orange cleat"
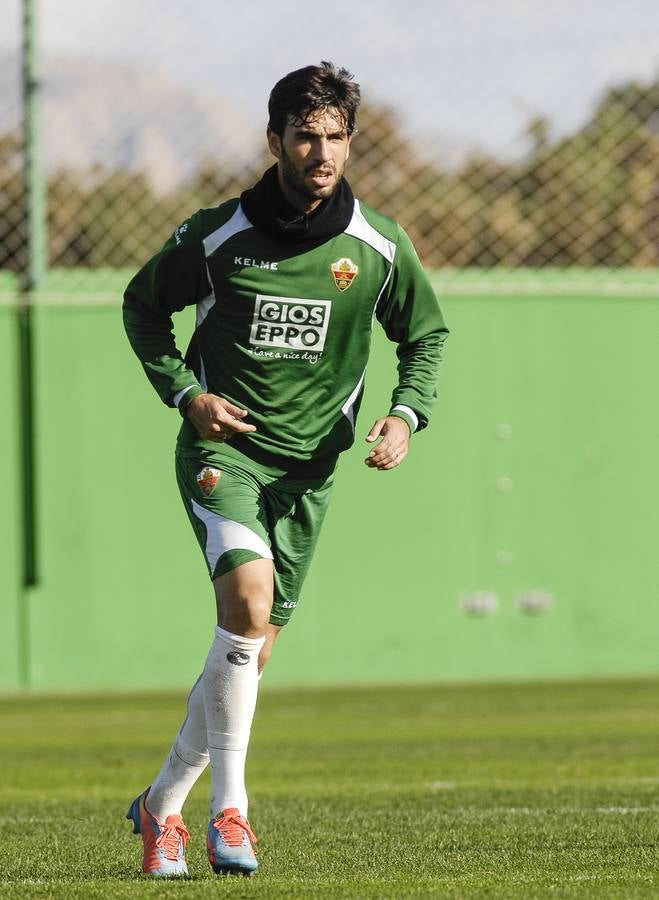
(164, 842)
(229, 844)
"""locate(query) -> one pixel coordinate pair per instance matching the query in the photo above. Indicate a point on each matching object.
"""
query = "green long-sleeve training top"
(284, 330)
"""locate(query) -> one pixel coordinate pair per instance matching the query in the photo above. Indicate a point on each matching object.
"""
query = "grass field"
(519, 790)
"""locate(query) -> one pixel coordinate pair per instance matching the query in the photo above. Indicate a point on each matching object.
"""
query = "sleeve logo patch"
(344, 271)
(180, 231)
(289, 322)
(207, 480)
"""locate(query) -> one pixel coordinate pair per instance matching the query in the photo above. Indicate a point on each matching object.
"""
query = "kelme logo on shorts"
(238, 658)
(207, 480)
(291, 323)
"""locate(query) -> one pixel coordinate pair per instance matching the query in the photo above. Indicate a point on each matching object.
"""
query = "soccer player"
(287, 281)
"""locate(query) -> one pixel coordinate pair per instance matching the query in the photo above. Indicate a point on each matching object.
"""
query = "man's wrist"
(407, 414)
(185, 397)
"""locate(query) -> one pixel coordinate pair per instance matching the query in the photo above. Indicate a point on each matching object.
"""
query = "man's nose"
(321, 148)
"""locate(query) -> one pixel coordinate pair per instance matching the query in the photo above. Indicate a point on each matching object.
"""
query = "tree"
(588, 198)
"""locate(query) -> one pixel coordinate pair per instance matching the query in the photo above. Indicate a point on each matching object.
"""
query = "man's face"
(311, 158)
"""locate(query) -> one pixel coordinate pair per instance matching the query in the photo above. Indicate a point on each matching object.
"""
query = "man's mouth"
(321, 176)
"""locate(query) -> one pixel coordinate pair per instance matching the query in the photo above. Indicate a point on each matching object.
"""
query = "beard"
(296, 179)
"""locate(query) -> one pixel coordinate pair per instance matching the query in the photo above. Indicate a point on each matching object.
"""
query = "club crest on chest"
(344, 271)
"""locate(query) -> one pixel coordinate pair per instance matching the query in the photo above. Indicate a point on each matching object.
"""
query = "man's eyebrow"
(307, 132)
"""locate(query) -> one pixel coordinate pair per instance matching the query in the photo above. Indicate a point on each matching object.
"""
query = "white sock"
(186, 761)
(230, 681)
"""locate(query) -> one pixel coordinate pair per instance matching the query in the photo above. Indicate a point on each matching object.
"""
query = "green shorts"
(241, 511)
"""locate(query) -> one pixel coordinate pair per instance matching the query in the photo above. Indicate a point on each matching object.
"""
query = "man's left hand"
(393, 447)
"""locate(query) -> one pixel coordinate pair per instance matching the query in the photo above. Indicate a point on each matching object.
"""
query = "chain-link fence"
(500, 134)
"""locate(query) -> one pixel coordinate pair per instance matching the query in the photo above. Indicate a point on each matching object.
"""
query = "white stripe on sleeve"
(408, 412)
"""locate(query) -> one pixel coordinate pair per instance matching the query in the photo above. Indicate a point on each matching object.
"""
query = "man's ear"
(274, 143)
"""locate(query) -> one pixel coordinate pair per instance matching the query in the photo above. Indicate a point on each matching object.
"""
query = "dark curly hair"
(300, 95)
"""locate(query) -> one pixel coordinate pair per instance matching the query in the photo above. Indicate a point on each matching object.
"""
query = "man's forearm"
(418, 369)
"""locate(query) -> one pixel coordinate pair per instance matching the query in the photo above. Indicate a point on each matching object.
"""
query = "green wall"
(537, 474)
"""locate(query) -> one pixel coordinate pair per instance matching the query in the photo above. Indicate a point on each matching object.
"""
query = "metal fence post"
(32, 279)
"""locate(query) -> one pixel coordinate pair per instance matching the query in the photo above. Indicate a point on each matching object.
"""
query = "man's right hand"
(216, 419)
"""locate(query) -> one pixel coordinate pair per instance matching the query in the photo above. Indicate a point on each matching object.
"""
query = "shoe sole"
(246, 873)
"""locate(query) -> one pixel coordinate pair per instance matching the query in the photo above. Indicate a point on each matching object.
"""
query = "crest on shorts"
(344, 272)
(207, 480)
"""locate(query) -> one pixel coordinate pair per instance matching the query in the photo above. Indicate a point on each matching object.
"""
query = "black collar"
(269, 211)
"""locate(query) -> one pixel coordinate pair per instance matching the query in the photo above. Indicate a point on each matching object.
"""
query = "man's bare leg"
(271, 635)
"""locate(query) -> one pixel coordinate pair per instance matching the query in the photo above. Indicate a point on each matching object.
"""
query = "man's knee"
(246, 613)
(244, 598)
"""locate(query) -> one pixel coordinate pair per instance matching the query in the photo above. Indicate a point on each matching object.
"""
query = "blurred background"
(519, 146)
(500, 134)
